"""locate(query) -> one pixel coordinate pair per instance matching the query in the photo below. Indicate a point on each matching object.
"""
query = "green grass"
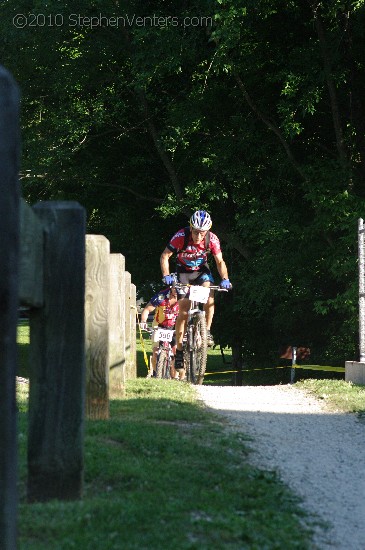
(23, 347)
(338, 394)
(163, 473)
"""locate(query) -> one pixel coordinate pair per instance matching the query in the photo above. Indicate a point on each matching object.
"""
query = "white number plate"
(199, 294)
(164, 334)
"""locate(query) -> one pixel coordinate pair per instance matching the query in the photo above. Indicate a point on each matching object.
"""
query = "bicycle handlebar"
(218, 288)
(150, 330)
(211, 287)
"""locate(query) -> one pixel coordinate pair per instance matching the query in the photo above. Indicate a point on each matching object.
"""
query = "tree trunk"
(327, 66)
(357, 111)
(237, 361)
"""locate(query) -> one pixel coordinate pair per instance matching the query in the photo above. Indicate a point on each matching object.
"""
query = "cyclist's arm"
(164, 262)
(221, 266)
(147, 310)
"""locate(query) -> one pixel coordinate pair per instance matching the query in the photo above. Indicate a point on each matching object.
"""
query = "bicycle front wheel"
(162, 362)
(198, 357)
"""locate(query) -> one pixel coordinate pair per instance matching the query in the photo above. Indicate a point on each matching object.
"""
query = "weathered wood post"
(97, 326)
(9, 253)
(31, 257)
(122, 322)
(116, 327)
(57, 352)
(127, 293)
(133, 353)
(355, 370)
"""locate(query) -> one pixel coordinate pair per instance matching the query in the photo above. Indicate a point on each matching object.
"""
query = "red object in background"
(287, 352)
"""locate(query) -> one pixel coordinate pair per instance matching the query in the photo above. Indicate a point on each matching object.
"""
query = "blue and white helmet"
(201, 220)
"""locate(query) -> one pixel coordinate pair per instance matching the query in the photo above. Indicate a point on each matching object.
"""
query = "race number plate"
(164, 334)
(199, 294)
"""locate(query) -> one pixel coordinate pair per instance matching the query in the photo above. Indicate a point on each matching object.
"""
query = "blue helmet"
(201, 220)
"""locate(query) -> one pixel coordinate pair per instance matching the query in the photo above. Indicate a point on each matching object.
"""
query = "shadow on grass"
(162, 473)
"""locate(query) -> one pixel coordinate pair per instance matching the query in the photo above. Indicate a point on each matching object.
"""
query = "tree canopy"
(254, 110)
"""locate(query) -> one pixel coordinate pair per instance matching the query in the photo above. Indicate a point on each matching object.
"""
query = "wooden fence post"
(31, 257)
(9, 254)
(97, 326)
(57, 367)
(127, 293)
(116, 327)
(133, 355)
(122, 322)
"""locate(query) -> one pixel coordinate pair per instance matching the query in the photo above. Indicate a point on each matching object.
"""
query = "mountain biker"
(192, 246)
(166, 307)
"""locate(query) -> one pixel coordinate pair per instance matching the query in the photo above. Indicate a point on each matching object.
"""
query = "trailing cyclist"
(166, 307)
(192, 245)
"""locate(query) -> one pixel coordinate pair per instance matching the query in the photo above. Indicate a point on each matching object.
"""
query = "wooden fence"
(82, 330)
(9, 247)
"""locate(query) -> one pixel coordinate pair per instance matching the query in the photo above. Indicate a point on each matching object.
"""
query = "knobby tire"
(162, 362)
(198, 352)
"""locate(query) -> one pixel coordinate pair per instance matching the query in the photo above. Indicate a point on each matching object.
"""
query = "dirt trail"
(319, 454)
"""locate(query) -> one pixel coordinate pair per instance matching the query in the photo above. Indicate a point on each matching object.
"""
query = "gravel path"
(319, 454)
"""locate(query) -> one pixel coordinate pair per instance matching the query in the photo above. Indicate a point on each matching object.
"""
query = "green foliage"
(251, 113)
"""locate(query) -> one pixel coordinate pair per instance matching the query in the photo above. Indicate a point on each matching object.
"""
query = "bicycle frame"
(195, 353)
(164, 353)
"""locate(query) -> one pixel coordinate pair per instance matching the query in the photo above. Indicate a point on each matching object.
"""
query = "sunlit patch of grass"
(338, 394)
(23, 348)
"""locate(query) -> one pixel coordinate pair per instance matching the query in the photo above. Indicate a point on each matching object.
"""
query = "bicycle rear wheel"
(162, 362)
(198, 353)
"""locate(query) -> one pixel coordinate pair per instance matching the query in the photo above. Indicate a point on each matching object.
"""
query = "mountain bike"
(195, 347)
(165, 354)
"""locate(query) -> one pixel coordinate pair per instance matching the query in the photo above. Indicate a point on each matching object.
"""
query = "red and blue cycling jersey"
(166, 313)
(194, 257)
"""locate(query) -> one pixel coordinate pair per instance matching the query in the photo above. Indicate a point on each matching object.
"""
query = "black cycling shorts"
(193, 278)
